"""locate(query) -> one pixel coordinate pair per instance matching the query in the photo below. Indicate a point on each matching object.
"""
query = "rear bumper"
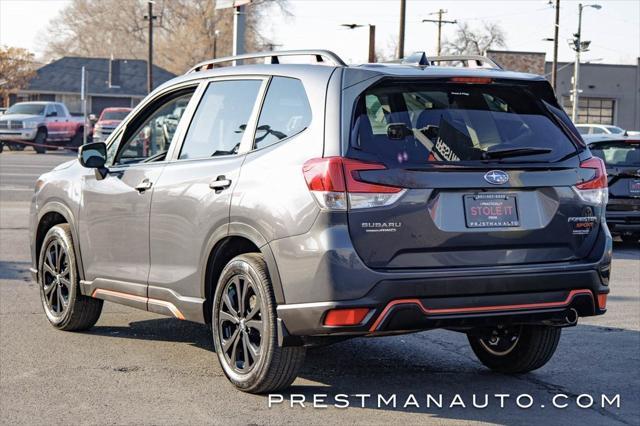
(461, 298)
(463, 302)
(624, 221)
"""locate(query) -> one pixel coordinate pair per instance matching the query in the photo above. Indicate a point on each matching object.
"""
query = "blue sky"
(614, 30)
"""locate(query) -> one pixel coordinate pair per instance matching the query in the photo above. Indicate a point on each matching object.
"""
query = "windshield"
(617, 153)
(114, 115)
(30, 109)
(430, 123)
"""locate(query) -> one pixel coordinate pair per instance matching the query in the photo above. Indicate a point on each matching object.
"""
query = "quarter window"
(286, 112)
(221, 119)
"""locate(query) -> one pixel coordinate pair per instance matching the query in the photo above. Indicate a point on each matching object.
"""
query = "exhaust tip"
(571, 317)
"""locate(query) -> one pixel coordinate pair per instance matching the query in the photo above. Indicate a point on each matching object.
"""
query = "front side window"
(286, 112)
(450, 122)
(154, 130)
(220, 119)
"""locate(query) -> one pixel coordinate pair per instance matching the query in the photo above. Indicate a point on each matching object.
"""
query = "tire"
(76, 140)
(41, 138)
(247, 333)
(1, 147)
(65, 307)
(532, 348)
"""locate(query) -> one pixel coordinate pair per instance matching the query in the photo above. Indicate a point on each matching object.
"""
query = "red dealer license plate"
(491, 211)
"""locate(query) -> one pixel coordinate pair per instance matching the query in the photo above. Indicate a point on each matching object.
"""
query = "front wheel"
(40, 140)
(244, 329)
(518, 350)
(65, 307)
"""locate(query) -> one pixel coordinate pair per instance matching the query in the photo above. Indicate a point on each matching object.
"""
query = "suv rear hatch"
(468, 172)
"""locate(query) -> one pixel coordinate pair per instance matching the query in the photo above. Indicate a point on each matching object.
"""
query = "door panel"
(185, 213)
(114, 224)
(191, 200)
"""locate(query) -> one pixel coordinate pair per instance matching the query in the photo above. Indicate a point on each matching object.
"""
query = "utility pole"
(372, 43)
(216, 33)
(239, 21)
(372, 38)
(83, 98)
(579, 46)
(554, 66)
(403, 15)
(150, 17)
(439, 21)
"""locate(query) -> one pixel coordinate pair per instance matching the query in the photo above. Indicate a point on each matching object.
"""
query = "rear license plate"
(491, 211)
(634, 188)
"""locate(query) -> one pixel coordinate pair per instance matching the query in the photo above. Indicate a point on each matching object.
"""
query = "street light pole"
(403, 15)
(579, 46)
(576, 67)
(554, 66)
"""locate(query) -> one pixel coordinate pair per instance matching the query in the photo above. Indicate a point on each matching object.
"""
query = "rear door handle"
(144, 185)
(220, 183)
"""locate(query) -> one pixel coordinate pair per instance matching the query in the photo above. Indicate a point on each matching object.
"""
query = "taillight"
(471, 80)
(595, 190)
(336, 184)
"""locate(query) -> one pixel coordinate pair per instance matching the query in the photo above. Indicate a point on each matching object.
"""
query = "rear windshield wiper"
(514, 152)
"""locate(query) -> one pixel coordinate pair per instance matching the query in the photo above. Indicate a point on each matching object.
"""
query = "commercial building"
(610, 92)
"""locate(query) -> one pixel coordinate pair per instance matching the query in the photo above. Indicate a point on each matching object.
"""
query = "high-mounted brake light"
(471, 80)
(336, 184)
(594, 190)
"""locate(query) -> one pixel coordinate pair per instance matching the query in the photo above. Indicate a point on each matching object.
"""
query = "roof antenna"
(416, 58)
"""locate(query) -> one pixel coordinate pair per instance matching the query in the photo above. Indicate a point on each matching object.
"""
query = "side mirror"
(94, 156)
(92, 117)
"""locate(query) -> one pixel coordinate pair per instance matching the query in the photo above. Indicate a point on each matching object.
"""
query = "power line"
(439, 21)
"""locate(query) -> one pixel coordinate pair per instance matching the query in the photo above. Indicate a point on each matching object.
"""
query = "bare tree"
(475, 41)
(184, 33)
(17, 67)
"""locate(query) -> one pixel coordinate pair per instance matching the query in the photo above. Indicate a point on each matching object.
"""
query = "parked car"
(40, 123)
(303, 204)
(600, 129)
(621, 155)
(107, 122)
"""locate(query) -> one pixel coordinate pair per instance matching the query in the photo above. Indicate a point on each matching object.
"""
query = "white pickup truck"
(39, 124)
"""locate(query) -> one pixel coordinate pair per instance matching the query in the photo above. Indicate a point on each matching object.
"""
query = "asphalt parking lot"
(136, 367)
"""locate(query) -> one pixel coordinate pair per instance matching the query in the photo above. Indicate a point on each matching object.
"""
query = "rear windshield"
(432, 123)
(618, 153)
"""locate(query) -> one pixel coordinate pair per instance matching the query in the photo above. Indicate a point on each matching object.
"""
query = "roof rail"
(469, 61)
(321, 56)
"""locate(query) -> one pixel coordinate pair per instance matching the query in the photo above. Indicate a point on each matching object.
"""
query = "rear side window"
(221, 119)
(618, 153)
(448, 122)
(286, 112)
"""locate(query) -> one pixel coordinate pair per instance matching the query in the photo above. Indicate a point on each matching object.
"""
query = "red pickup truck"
(40, 123)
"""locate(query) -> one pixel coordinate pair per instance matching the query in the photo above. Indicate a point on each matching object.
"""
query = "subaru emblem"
(496, 177)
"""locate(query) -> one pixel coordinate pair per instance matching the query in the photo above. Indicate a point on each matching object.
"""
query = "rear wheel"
(519, 350)
(244, 329)
(65, 307)
(41, 139)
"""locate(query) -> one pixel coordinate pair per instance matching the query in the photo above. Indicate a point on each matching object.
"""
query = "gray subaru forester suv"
(293, 205)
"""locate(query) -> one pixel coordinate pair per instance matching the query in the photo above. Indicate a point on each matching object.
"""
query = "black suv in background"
(621, 155)
(300, 204)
